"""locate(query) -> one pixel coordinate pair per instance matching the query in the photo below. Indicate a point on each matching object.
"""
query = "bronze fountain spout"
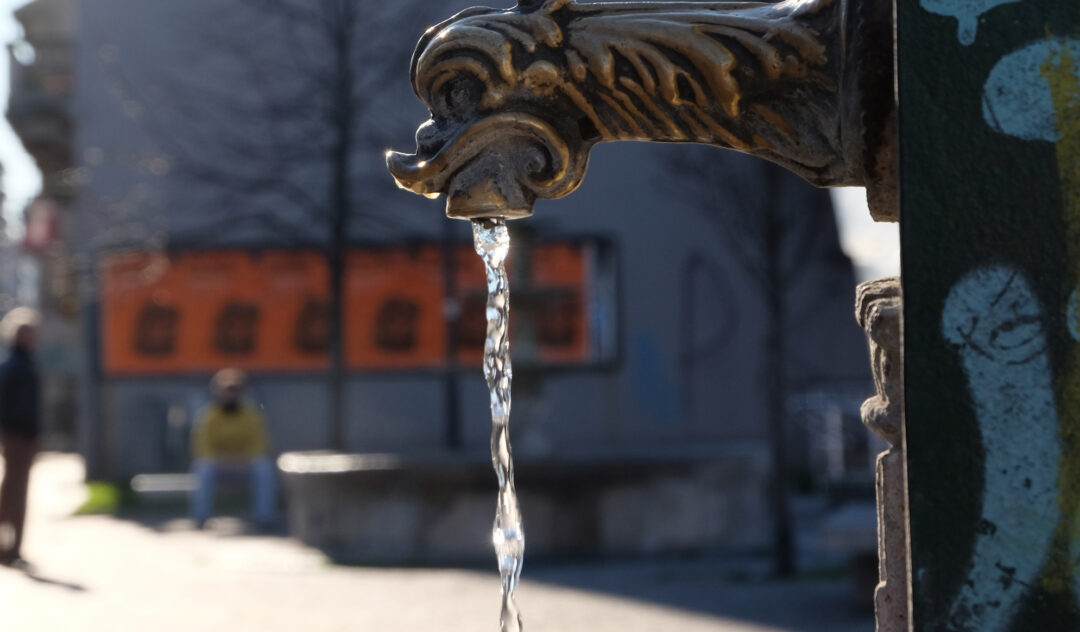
(519, 97)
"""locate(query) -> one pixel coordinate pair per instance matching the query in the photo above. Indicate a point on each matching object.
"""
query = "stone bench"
(174, 488)
(851, 531)
(162, 485)
(438, 508)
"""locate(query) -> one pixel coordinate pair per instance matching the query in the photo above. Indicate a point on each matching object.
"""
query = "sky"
(873, 247)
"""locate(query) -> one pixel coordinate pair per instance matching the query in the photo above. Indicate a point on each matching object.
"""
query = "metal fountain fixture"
(519, 97)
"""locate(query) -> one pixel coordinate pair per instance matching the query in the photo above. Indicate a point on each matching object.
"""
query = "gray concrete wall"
(148, 421)
(390, 413)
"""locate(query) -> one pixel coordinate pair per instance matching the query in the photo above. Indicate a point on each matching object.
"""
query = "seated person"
(231, 434)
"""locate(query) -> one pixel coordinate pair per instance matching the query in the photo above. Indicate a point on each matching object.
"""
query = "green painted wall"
(990, 198)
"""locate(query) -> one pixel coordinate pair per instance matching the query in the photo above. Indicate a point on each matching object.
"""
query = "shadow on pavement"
(34, 574)
(229, 524)
(717, 588)
(170, 513)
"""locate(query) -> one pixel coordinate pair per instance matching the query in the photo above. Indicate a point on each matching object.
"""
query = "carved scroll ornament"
(519, 97)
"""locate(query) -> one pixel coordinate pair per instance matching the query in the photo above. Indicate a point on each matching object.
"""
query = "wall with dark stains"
(990, 142)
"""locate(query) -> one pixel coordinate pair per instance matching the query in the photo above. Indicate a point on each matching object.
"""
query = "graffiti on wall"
(966, 12)
(993, 319)
(1019, 96)
(1019, 353)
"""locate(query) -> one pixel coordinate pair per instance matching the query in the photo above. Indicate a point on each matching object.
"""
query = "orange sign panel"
(558, 277)
(200, 311)
(206, 310)
(394, 308)
(548, 310)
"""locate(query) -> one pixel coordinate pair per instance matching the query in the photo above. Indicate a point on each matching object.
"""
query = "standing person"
(19, 428)
(230, 434)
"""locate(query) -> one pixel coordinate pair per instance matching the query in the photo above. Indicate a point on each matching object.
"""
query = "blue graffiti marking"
(966, 12)
(654, 389)
(993, 319)
(1016, 98)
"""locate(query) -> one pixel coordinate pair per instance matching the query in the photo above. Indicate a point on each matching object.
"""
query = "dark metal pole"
(775, 379)
(340, 203)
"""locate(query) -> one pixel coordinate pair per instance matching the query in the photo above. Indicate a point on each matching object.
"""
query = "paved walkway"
(98, 574)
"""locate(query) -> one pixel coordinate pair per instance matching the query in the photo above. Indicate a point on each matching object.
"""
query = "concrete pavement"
(98, 574)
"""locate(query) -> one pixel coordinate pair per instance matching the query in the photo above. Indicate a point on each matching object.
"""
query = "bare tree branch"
(300, 13)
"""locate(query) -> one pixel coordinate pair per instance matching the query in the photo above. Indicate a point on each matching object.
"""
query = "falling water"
(492, 242)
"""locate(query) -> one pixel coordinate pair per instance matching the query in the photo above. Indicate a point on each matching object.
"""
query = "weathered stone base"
(891, 596)
(879, 309)
(439, 509)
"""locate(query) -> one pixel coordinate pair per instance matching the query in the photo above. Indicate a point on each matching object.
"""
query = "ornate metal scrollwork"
(519, 97)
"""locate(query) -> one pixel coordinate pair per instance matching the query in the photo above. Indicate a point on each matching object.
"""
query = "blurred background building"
(214, 194)
(46, 271)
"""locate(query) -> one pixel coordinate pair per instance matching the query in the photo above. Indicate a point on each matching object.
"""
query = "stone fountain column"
(879, 310)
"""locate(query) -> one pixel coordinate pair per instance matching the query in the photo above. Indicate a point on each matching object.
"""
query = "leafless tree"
(770, 222)
(272, 112)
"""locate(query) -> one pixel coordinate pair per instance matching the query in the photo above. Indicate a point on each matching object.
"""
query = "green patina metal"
(990, 193)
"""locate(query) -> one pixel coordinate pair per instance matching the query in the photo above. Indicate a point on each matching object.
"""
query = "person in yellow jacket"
(230, 434)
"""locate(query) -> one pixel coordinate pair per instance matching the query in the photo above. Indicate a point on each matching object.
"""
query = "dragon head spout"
(497, 138)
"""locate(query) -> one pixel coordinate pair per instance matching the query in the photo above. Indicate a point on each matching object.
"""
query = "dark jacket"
(19, 396)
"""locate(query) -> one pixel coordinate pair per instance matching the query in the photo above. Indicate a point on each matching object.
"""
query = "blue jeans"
(263, 488)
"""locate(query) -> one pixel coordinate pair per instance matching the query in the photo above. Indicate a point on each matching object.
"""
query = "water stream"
(492, 242)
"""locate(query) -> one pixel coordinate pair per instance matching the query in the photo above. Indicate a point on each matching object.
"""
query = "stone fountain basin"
(437, 508)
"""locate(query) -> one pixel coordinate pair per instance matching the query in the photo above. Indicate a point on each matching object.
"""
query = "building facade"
(47, 267)
(205, 147)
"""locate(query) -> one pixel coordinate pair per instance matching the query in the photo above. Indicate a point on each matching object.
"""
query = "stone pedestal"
(395, 509)
(891, 595)
(878, 308)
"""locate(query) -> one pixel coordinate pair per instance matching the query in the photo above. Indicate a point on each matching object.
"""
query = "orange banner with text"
(202, 311)
(394, 306)
(268, 311)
